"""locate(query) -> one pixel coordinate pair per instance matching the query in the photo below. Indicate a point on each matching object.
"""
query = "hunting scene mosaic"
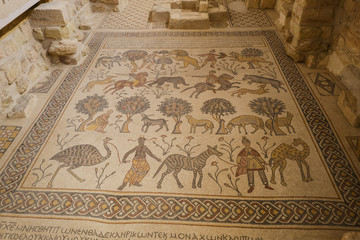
(211, 127)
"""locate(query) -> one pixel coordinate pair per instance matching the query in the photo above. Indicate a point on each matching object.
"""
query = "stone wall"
(56, 25)
(22, 62)
(344, 58)
(49, 34)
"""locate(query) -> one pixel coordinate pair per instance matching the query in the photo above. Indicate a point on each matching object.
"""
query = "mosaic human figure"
(210, 57)
(249, 161)
(140, 167)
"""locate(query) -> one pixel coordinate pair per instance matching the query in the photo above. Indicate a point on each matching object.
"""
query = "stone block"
(76, 58)
(267, 4)
(19, 37)
(12, 70)
(188, 20)
(291, 52)
(26, 29)
(110, 2)
(2, 51)
(252, 3)
(351, 236)
(25, 104)
(38, 34)
(34, 73)
(102, 7)
(304, 32)
(63, 47)
(160, 12)
(352, 40)
(218, 14)
(22, 84)
(10, 47)
(50, 14)
(53, 33)
(203, 6)
(188, 5)
(349, 98)
(24, 64)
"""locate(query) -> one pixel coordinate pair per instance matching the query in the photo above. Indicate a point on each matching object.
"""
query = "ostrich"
(80, 155)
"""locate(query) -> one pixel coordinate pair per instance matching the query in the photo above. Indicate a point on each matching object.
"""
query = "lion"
(182, 55)
(250, 60)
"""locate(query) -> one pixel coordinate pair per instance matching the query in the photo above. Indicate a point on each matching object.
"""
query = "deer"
(90, 85)
(281, 122)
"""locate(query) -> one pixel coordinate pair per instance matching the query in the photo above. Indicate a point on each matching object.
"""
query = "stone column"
(310, 30)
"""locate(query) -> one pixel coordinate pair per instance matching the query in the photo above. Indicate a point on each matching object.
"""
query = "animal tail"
(186, 89)
(157, 171)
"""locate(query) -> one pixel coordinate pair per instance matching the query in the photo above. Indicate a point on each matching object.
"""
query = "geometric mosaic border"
(152, 208)
(7, 136)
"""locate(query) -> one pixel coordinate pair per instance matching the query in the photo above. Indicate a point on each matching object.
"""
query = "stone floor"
(17, 134)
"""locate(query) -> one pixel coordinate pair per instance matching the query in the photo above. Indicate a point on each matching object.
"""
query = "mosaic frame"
(155, 208)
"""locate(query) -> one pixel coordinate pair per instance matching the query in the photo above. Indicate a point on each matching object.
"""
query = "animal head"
(143, 116)
(107, 139)
(289, 114)
(213, 150)
(145, 74)
(188, 116)
(296, 141)
(229, 127)
(233, 54)
(246, 77)
(225, 77)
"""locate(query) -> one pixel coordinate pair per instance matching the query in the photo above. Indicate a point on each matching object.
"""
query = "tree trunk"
(275, 126)
(125, 127)
(177, 128)
(81, 128)
(221, 130)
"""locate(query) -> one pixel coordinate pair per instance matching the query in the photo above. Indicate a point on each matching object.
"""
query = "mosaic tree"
(271, 108)
(175, 108)
(131, 106)
(90, 106)
(134, 55)
(218, 107)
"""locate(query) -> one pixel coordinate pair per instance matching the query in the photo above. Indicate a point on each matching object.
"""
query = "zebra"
(176, 162)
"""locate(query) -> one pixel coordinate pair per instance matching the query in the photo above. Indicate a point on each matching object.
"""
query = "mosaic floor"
(181, 135)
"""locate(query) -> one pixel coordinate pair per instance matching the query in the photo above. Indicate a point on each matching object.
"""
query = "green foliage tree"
(218, 107)
(90, 106)
(175, 108)
(271, 108)
(131, 106)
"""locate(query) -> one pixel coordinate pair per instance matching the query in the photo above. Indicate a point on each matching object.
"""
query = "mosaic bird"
(78, 156)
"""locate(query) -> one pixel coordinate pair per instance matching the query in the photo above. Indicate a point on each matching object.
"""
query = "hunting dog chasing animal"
(264, 80)
(242, 91)
(174, 80)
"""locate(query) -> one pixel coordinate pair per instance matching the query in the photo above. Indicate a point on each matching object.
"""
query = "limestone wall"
(346, 39)
(22, 62)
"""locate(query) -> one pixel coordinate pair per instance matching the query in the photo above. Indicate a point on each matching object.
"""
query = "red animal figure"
(135, 80)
